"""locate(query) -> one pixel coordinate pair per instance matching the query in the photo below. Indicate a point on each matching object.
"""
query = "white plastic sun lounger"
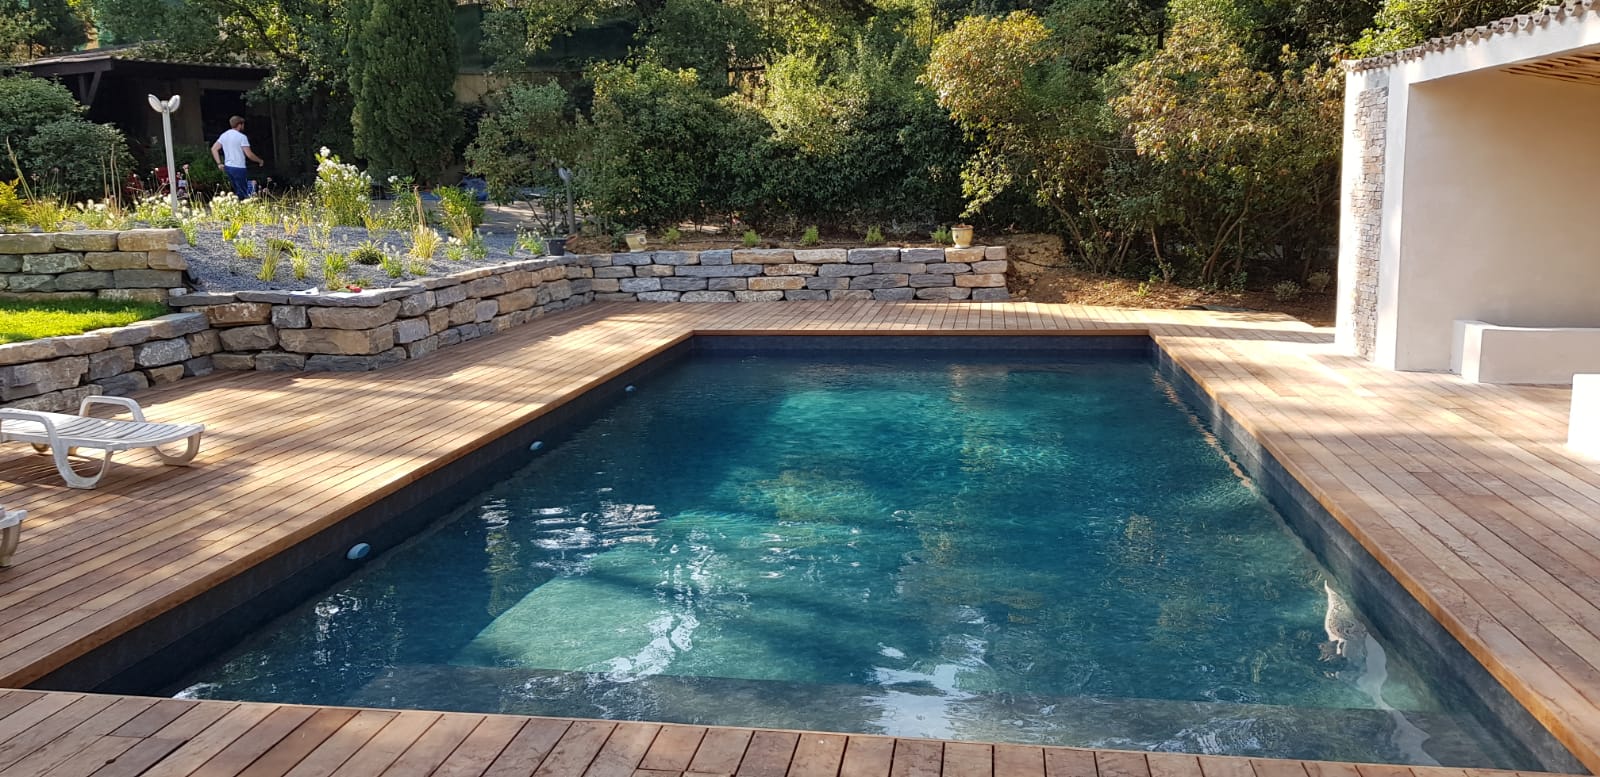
(59, 433)
(10, 533)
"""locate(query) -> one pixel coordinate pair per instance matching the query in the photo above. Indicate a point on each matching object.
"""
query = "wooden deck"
(1464, 492)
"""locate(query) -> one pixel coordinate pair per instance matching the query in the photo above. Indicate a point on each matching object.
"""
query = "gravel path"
(216, 266)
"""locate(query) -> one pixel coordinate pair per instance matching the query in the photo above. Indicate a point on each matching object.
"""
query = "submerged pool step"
(919, 710)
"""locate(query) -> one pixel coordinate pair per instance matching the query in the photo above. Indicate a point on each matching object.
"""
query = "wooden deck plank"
(1464, 492)
(720, 751)
(820, 755)
(576, 749)
(673, 749)
(297, 744)
(769, 754)
(917, 758)
(430, 750)
(623, 750)
(967, 759)
(867, 757)
(332, 752)
(481, 748)
(528, 750)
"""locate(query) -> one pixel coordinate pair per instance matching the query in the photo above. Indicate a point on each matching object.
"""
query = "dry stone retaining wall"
(774, 274)
(135, 264)
(264, 330)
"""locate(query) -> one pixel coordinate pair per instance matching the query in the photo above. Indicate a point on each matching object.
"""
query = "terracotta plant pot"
(636, 241)
(961, 234)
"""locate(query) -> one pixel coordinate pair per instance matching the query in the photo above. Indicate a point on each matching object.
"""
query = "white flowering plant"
(343, 191)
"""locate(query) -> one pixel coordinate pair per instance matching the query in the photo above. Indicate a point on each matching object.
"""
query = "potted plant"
(961, 234)
(636, 240)
(555, 246)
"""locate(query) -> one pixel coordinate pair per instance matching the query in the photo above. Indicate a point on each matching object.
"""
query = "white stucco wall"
(1501, 212)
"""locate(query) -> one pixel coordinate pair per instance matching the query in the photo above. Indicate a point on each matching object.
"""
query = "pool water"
(998, 549)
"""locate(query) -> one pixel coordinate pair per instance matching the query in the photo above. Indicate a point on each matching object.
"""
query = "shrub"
(460, 211)
(27, 103)
(74, 158)
(367, 254)
(343, 192)
(811, 236)
(1319, 281)
(661, 146)
(942, 236)
(874, 237)
(1286, 291)
(12, 209)
(402, 64)
(671, 236)
(528, 133)
(751, 239)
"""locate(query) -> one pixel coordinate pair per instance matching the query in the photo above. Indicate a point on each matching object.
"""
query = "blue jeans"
(241, 181)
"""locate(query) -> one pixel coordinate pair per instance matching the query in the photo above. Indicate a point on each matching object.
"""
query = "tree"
(403, 69)
(1404, 23)
(31, 28)
(1232, 152)
(1039, 122)
(527, 135)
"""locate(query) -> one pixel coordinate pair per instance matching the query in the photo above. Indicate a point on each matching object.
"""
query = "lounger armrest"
(28, 415)
(122, 402)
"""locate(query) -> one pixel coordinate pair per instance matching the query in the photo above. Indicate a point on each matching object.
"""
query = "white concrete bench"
(1489, 353)
(1583, 428)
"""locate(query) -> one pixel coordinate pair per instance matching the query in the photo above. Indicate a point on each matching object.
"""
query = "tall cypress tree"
(402, 72)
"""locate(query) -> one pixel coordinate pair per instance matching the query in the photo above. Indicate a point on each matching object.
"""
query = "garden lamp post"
(165, 109)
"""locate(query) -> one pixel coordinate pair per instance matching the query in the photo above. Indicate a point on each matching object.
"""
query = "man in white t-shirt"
(230, 152)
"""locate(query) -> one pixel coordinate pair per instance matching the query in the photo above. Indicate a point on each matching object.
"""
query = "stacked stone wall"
(273, 330)
(1371, 135)
(777, 274)
(136, 264)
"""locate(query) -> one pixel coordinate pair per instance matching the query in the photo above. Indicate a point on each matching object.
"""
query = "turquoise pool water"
(999, 549)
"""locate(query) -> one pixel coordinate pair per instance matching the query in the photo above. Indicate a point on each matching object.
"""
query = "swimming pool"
(989, 547)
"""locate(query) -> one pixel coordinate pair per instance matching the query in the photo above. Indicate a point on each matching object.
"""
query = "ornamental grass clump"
(367, 254)
(299, 262)
(269, 267)
(942, 236)
(424, 242)
(874, 237)
(334, 267)
(812, 236)
(751, 239)
(671, 237)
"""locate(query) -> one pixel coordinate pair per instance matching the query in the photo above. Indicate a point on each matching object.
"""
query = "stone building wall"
(136, 264)
(1371, 132)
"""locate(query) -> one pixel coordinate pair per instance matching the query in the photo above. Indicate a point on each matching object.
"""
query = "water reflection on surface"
(997, 551)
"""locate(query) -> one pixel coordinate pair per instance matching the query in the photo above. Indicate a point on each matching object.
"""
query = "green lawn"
(25, 320)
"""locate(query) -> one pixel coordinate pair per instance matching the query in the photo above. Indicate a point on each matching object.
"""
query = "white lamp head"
(157, 105)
